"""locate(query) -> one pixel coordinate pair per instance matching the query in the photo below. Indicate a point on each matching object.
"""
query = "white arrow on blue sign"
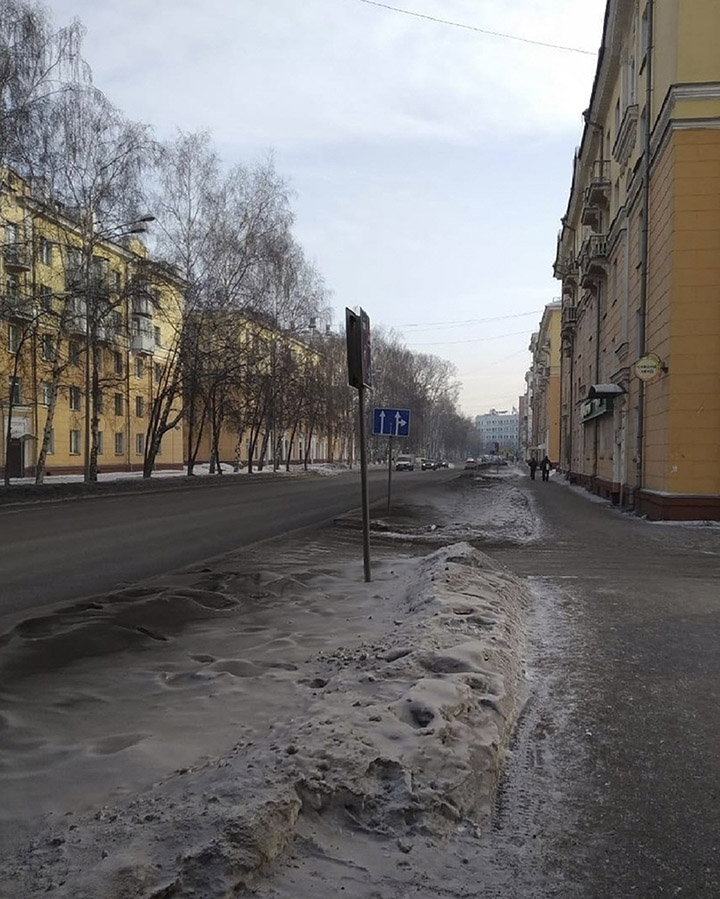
(391, 422)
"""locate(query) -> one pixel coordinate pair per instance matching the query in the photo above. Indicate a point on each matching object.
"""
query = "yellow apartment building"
(543, 381)
(638, 255)
(84, 316)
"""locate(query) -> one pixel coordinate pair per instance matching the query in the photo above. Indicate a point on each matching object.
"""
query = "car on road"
(470, 464)
(405, 463)
(442, 463)
(428, 465)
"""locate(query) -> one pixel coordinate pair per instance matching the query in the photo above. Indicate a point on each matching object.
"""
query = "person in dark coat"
(545, 466)
(533, 467)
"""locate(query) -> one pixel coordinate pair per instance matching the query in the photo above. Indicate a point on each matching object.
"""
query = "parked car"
(442, 463)
(470, 464)
(428, 465)
(405, 463)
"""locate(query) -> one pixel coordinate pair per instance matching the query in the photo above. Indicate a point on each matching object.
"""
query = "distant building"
(543, 380)
(499, 431)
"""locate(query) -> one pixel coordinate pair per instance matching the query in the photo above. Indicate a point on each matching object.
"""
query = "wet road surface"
(613, 788)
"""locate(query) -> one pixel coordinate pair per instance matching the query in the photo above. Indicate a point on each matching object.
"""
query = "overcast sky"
(431, 163)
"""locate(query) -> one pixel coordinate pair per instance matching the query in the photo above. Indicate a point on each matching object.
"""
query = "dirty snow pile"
(381, 710)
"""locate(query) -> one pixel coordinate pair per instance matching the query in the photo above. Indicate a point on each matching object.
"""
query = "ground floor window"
(74, 443)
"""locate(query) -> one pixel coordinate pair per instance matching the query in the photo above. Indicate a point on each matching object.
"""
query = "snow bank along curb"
(399, 737)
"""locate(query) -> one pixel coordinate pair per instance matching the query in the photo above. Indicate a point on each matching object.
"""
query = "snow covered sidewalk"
(190, 736)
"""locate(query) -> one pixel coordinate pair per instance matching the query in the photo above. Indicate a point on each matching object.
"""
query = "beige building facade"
(52, 347)
(639, 260)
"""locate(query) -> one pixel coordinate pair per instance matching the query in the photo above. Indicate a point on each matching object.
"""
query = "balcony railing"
(143, 341)
(12, 305)
(16, 258)
(569, 317)
(597, 193)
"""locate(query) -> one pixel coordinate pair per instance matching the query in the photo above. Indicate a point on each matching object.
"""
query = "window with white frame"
(73, 352)
(74, 443)
(119, 404)
(46, 251)
(47, 347)
(46, 297)
(139, 444)
(45, 393)
(15, 391)
(140, 406)
(14, 338)
(119, 443)
(75, 399)
(118, 363)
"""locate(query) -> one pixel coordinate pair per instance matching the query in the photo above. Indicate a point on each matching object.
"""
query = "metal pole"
(364, 485)
(389, 472)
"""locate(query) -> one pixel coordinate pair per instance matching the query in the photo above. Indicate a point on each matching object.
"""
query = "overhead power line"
(469, 340)
(467, 321)
(500, 34)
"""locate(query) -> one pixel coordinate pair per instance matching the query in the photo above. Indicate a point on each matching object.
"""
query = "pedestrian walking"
(533, 463)
(545, 466)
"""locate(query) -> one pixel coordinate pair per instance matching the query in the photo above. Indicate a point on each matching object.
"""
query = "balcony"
(142, 305)
(16, 258)
(12, 305)
(597, 193)
(569, 318)
(143, 338)
(566, 267)
(593, 260)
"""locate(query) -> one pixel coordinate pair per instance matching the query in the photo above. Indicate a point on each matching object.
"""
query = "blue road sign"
(391, 422)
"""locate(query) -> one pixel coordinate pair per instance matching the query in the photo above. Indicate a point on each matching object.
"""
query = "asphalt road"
(51, 552)
(613, 788)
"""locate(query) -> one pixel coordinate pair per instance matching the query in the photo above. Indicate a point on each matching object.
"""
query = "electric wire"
(469, 340)
(500, 34)
(467, 321)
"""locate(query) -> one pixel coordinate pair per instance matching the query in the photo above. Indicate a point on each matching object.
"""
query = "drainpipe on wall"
(644, 248)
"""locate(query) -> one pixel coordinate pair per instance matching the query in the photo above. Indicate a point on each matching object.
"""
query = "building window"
(12, 285)
(100, 403)
(14, 338)
(73, 352)
(46, 253)
(51, 442)
(119, 404)
(139, 367)
(139, 444)
(47, 348)
(75, 399)
(45, 394)
(118, 363)
(46, 295)
(140, 406)
(157, 372)
(158, 337)
(15, 391)
(119, 443)
(100, 444)
(74, 443)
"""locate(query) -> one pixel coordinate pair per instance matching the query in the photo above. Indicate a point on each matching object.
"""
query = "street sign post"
(357, 336)
(391, 423)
